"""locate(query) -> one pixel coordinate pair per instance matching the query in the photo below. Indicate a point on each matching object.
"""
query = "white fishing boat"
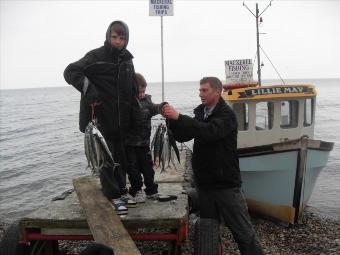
(279, 158)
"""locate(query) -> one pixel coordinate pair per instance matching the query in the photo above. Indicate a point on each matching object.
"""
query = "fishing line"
(93, 107)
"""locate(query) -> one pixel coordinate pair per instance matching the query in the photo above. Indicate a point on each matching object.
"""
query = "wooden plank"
(104, 223)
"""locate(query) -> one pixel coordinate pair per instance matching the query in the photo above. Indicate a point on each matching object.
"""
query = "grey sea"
(41, 149)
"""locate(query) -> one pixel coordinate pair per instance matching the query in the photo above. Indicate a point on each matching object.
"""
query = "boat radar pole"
(257, 16)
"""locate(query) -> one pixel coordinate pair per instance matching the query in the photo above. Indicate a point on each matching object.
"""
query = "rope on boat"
(272, 65)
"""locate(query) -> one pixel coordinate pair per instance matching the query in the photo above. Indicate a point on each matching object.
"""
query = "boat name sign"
(275, 90)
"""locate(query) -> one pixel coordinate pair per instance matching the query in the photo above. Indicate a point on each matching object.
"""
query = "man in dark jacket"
(216, 168)
(106, 76)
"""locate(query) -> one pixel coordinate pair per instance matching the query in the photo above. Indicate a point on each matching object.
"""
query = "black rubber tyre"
(10, 245)
(206, 237)
(97, 248)
(174, 249)
(193, 200)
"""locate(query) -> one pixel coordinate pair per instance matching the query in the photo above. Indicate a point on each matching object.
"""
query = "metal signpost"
(161, 8)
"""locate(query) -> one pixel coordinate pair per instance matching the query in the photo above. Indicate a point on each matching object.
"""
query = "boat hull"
(278, 179)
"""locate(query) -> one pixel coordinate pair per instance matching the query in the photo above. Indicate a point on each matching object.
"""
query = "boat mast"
(257, 15)
(258, 45)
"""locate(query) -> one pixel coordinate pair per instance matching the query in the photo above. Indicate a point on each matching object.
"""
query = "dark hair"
(141, 82)
(214, 82)
(118, 28)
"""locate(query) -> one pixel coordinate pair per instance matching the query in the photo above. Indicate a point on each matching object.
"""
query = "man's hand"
(169, 112)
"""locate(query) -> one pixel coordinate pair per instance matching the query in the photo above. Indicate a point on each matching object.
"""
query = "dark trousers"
(229, 205)
(140, 162)
(114, 182)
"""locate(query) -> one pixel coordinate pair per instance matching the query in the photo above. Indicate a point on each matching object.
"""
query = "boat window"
(289, 114)
(241, 111)
(264, 115)
(308, 112)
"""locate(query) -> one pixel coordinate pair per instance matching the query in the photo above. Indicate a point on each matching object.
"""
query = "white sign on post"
(161, 8)
(239, 71)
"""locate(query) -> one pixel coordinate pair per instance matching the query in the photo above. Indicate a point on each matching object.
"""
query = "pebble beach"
(312, 235)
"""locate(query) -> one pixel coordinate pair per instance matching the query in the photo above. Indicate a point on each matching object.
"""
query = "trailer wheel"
(10, 245)
(193, 200)
(207, 237)
(174, 248)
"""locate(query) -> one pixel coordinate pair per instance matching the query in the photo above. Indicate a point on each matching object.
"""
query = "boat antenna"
(257, 15)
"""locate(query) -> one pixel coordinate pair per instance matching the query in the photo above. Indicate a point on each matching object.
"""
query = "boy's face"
(141, 93)
(117, 41)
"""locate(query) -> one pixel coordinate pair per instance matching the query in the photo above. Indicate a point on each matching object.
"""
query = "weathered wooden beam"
(105, 225)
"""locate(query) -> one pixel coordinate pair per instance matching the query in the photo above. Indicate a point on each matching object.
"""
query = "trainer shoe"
(128, 200)
(119, 206)
(140, 197)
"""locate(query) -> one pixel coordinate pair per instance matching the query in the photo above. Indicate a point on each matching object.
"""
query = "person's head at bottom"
(97, 249)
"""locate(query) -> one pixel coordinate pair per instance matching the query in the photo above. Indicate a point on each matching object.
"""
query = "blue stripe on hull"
(270, 178)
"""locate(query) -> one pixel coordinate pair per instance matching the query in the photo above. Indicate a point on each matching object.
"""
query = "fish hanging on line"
(97, 151)
(164, 147)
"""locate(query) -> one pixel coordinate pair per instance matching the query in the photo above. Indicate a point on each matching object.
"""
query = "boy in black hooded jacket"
(106, 76)
(138, 148)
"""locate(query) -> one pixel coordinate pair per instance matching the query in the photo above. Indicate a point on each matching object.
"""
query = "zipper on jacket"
(118, 98)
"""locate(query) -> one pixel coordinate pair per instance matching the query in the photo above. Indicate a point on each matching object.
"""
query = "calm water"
(41, 149)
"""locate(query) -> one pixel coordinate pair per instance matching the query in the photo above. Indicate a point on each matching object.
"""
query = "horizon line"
(159, 82)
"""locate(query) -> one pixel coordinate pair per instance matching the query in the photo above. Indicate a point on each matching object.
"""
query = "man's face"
(117, 41)
(208, 95)
(141, 93)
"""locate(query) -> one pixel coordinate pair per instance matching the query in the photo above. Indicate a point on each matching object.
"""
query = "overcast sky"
(40, 38)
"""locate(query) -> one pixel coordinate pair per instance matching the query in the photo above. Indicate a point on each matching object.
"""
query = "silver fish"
(156, 143)
(172, 158)
(165, 151)
(164, 148)
(89, 152)
(97, 151)
(161, 143)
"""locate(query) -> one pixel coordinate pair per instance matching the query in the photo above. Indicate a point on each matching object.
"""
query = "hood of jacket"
(108, 35)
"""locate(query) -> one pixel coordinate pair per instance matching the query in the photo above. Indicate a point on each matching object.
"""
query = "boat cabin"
(272, 114)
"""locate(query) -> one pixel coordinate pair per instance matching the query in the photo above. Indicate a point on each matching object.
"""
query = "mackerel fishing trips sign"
(161, 8)
(239, 71)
